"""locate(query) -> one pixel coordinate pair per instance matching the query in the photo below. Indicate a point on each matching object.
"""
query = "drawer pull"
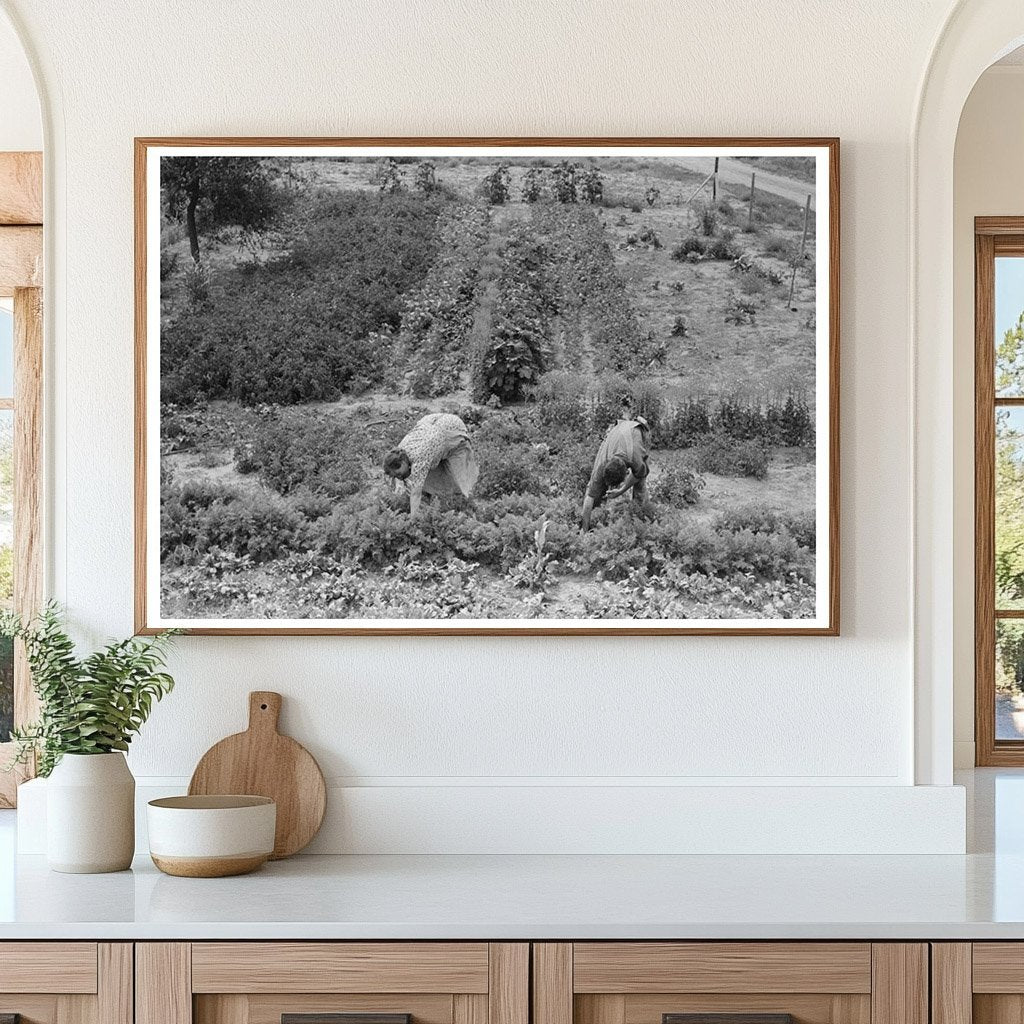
(340, 1018)
(727, 1018)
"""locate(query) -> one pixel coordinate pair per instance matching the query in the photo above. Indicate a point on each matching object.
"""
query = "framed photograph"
(499, 386)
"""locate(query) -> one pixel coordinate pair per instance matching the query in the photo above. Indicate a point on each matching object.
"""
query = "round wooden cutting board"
(262, 762)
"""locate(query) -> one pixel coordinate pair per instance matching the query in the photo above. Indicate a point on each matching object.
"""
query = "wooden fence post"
(714, 183)
(750, 209)
(803, 246)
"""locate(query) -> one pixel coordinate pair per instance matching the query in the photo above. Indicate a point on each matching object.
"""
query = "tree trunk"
(190, 223)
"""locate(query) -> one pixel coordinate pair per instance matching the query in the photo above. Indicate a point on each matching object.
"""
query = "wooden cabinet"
(306, 982)
(978, 983)
(66, 982)
(754, 982)
(494, 983)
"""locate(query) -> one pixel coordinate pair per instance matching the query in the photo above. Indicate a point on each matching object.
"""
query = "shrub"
(740, 311)
(292, 449)
(429, 353)
(792, 424)
(513, 470)
(591, 186)
(679, 328)
(690, 244)
(168, 263)
(752, 285)
(801, 526)
(389, 175)
(300, 328)
(747, 265)
(513, 358)
(197, 285)
(563, 399)
(707, 220)
(196, 518)
(496, 186)
(742, 421)
(677, 485)
(588, 284)
(685, 424)
(777, 245)
(645, 399)
(726, 456)
(531, 185)
(648, 236)
(425, 177)
(722, 247)
(564, 181)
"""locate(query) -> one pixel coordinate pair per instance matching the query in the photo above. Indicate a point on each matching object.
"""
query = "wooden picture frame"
(825, 618)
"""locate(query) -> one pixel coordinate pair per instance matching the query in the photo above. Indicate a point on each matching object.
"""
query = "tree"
(496, 185)
(1010, 360)
(389, 175)
(217, 190)
(426, 177)
(591, 185)
(1009, 511)
(563, 181)
(531, 185)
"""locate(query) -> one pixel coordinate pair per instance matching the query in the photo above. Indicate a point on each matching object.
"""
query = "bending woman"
(435, 457)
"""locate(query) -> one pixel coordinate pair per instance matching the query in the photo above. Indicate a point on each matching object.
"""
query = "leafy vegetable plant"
(90, 705)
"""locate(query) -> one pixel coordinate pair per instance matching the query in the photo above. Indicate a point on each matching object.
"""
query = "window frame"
(21, 271)
(993, 237)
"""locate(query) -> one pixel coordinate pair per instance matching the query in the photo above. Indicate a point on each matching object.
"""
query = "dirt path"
(1009, 718)
(737, 173)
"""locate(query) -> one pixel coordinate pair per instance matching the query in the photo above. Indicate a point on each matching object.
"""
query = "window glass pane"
(1009, 322)
(6, 566)
(6, 352)
(1009, 679)
(1009, 508)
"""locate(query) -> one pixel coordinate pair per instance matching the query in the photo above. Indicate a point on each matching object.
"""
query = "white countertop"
(977, 896)
(496, 897)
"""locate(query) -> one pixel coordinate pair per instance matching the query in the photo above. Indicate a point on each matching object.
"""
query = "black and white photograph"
(464, 387)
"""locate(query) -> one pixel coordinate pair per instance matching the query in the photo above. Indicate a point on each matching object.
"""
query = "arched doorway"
(977, 33)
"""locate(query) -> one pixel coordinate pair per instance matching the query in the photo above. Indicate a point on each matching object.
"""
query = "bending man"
(620, 464)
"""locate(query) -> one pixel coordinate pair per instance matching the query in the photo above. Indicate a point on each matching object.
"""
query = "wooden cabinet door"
(66, 982)
(978, 983)
(730, 983)
(332, 983)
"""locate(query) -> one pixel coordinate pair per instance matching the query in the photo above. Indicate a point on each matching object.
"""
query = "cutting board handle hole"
(263, 707)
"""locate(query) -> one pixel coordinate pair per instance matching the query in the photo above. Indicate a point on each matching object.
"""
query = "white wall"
(987, 181)
(465, 711)
(21, 126)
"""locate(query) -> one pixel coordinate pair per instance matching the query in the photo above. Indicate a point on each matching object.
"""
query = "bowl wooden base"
(209, 867)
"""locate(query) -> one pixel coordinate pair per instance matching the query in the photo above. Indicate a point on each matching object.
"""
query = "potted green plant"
(90, 708)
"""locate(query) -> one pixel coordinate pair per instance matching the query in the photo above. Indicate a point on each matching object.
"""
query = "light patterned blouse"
(429, 443)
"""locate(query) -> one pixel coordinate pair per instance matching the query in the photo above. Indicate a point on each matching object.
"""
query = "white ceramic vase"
(90, 814)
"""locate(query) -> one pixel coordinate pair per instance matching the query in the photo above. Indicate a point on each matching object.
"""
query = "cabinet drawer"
(635, 967)
(65, 967)
(66, 982)
(332, 983)
(340, 967)
(730, 983)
